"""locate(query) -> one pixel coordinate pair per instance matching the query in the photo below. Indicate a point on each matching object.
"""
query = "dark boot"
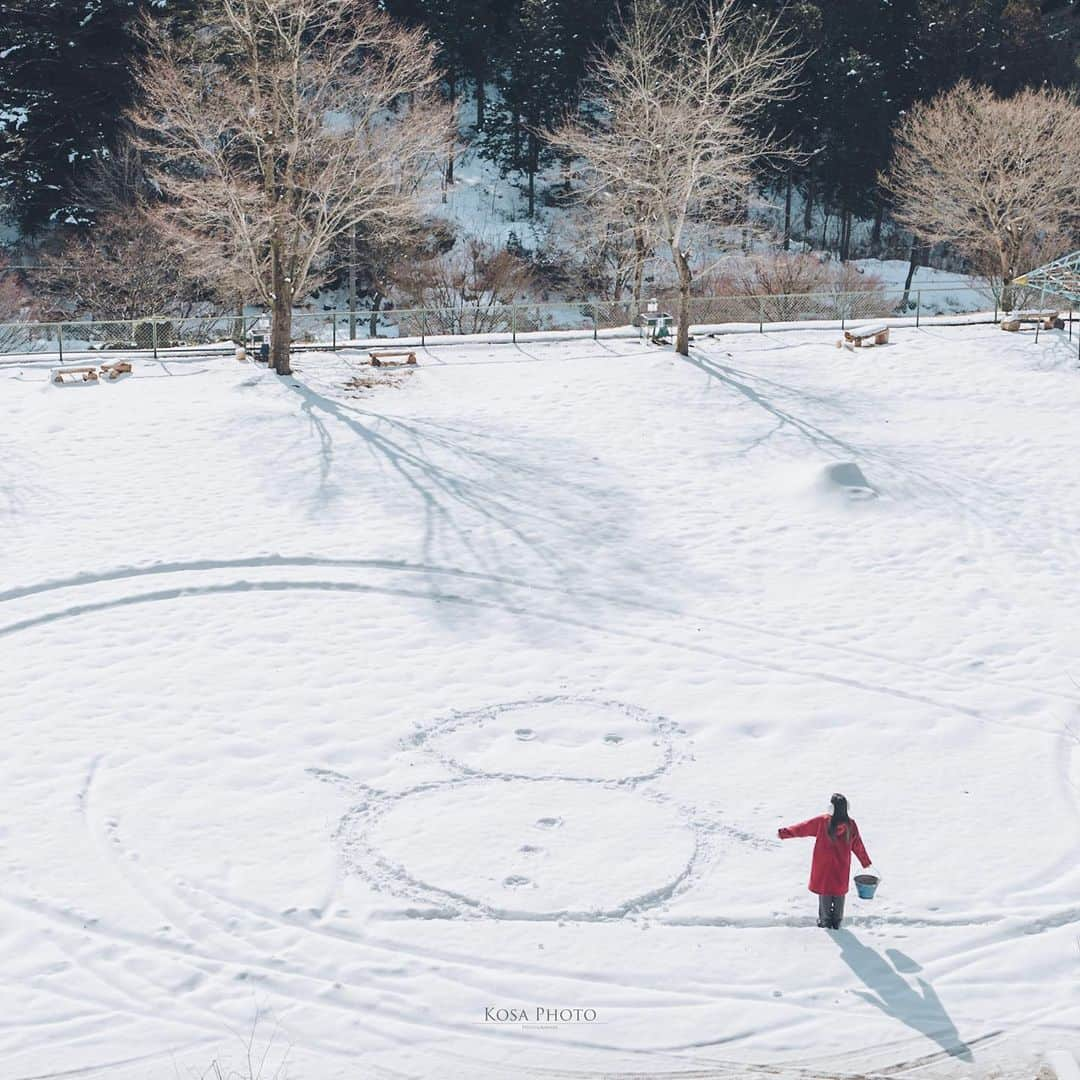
(837, 912)
(824, 911)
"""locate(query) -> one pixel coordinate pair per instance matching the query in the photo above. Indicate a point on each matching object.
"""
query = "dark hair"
(839, 814)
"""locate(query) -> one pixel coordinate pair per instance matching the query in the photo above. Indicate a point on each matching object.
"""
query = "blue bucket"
(866, 884)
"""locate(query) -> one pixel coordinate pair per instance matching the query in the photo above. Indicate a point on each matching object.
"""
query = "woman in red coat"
(836, 836)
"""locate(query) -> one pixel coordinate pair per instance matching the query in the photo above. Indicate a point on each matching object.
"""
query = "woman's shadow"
(895, 997)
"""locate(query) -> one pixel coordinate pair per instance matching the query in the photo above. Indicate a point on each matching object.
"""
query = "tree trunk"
(280, 315)
(534, 154)
(913, 263)
(686, 279)
(1008, 259)
(1008, 293)
(373, 321)
(808, 210)
(787, 214)
(452, 149)
(481, 102)
(639, 268)
(845, 235)
(825, 230)
(875, 236)
(280, 335)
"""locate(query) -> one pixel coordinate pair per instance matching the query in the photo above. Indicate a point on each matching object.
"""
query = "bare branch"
(278, 126)
(999, 178)
(673, 151)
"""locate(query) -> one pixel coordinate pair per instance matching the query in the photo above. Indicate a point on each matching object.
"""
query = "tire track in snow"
(274, 562)
(520, 609)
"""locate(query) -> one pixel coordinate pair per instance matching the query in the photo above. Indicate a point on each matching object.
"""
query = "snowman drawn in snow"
(545, 813)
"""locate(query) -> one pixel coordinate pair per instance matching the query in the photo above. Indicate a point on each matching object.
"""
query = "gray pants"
(830, 911)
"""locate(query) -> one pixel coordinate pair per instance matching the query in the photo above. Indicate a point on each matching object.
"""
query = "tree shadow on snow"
(889, 991)
(743, 383)
(478, 496)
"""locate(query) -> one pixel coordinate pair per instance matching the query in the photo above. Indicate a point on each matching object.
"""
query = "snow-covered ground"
(378, 710)
(942, 292)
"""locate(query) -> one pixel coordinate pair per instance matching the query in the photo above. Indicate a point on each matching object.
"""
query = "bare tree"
(16, 306)
(608, 244)
(277, 126)
(673, 151)
(470, 285)
(999, 178)
(121, 269)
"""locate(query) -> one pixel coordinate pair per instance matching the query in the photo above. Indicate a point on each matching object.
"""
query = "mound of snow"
(847, 479)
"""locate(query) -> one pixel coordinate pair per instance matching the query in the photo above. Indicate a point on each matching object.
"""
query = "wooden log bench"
(1041, 320)
(115, 368)
(879, 332)
(61, 374)
(392, 358)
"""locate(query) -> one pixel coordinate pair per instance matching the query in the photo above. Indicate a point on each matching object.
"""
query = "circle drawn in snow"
(465, 843)
(565, 738)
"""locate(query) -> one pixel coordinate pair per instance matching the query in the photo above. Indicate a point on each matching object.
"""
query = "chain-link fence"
(497, 322)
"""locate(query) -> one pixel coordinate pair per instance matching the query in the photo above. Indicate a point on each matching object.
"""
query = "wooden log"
(89, 374)
(379, 359)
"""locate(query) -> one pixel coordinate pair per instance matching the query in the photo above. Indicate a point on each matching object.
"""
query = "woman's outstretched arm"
(804, 828)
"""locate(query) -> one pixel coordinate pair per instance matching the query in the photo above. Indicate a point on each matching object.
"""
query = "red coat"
(831, 868)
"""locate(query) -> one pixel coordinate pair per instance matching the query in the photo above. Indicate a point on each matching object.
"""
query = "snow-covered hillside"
(379, 709)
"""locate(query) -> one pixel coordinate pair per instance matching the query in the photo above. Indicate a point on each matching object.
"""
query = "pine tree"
(466, 32)
(870, 77)
(65, 80)
(1004, 44)
(64, 83)
(539, 81)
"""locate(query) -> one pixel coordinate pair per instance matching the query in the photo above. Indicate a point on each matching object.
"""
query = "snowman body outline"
(364, 856)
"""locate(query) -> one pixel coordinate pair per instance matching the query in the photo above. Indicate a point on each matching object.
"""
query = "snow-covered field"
(375, 712)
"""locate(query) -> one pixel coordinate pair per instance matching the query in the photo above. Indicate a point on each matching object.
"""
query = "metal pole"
(333, 331)
(760, 316)
(352, 283)
(60, 339)
(423, 326)
(153, 336)
(595, 327)
(918, 308)
(513, 323)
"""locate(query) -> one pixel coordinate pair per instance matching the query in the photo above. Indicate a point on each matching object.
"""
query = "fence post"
(595, 321)
(918, 308)
(760, 315)
(333, 332)
(60, 340)
(153, 336)
(513, 323)
(423, 326)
